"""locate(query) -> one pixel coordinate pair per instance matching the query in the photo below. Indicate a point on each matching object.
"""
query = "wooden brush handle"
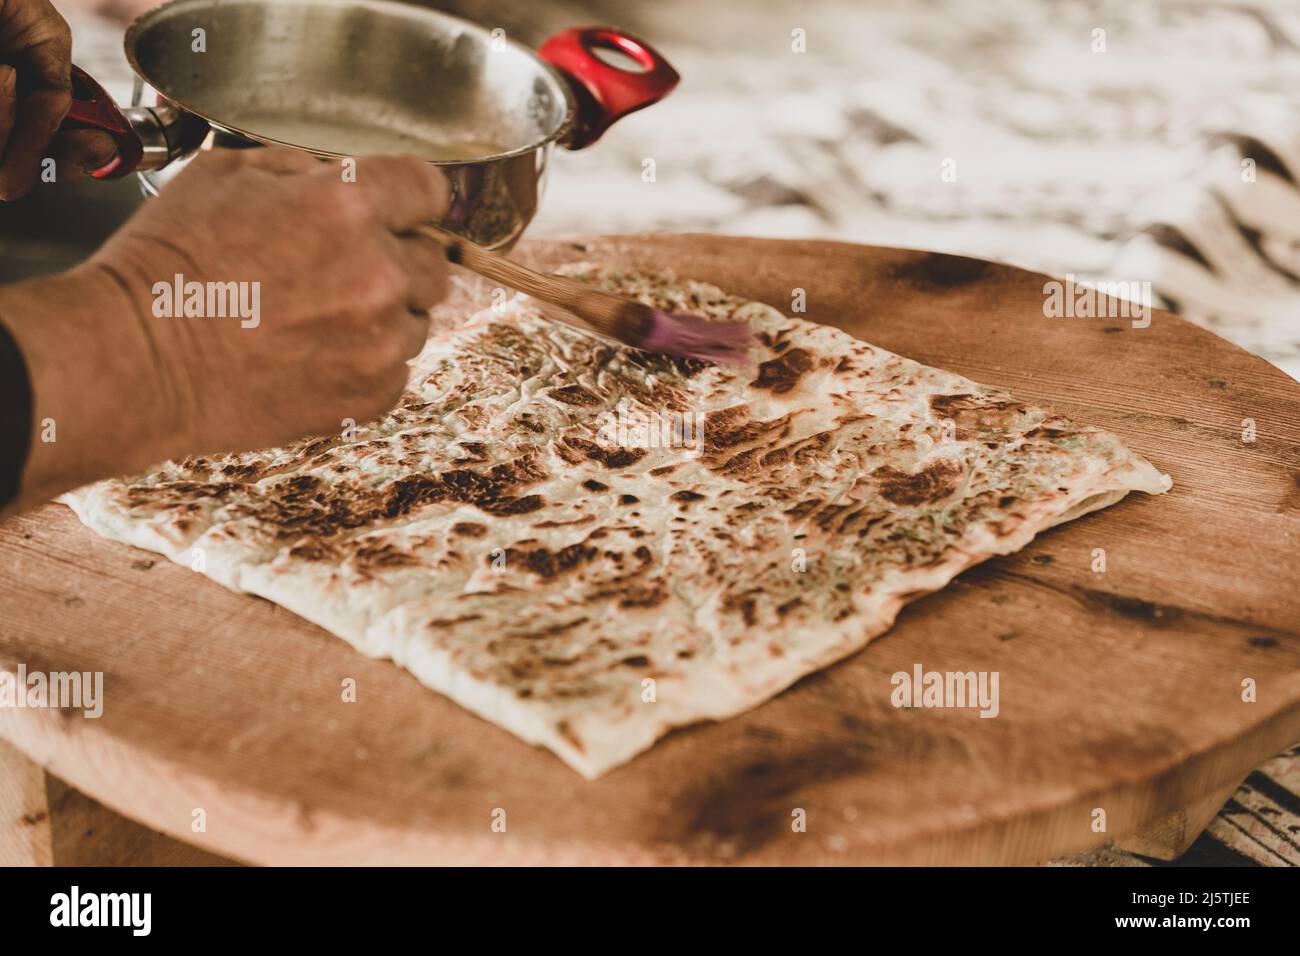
(619, 318)
(557, 290)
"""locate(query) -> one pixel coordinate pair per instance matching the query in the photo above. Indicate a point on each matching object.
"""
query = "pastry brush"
(594, 310)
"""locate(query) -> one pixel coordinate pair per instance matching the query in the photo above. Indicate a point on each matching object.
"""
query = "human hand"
(325, 299)
(35, 94)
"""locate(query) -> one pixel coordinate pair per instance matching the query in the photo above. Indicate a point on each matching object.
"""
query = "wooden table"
(1122, 691)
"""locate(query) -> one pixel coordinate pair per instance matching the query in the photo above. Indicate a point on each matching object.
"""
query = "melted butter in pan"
(350, 138)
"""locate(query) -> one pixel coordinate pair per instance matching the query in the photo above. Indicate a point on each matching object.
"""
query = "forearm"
(15, 417)
(96, 407)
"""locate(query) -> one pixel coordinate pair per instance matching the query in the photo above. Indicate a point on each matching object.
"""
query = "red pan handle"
(93, 108)
(606, 93)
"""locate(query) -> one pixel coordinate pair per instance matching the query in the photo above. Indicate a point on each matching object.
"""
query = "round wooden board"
(1120, 691)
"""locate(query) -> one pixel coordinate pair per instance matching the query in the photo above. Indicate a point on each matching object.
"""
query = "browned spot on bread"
(1044, 431)
(659, 364)
(610, 458)
(743, 603)
(628, 499)
(591, 484)
(304, 505)
(643, 596)
(179, 491)
(565, 731)
(555, 629)
(570, 454)
(574, 395)
(511, 506)
(315, 447)
(981, 412)
(470, 529)
(731, 427)
(475, 451)
(552, 523)
(313, 549)
(724, 440)
(371, 556)
(933, 482)
(664, 396)
(449, 621)
(804, 508)
(685, 497)
(547, 564)
(781, 374)
(246, 470)
(489, 492)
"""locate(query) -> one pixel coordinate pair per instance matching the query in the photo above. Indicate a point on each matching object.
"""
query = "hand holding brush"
(594, 310)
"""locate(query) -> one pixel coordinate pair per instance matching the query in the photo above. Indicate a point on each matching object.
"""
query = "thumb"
(79, 152)
(8, 104)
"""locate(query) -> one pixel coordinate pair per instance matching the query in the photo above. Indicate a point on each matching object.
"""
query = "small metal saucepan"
(341, 78)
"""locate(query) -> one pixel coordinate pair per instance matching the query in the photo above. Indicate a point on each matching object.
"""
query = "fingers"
(375, 371)
(45, 65)
(401, 190)
(79, 152)
(425, 262)
(46, 51)
(396, 191)
(8, 103)
(414, 332)
(39, 115)
(277, 159)
(382, 347)
(367, 396)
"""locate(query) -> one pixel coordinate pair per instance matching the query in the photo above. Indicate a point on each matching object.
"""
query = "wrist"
(97, 406)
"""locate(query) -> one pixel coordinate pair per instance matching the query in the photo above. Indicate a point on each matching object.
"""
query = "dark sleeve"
(15, 416)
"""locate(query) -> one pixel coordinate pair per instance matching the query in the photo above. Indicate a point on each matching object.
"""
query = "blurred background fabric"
(1127, 141)
(1100, 139)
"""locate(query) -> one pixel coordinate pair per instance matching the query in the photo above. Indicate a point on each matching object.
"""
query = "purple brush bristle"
(690, 336)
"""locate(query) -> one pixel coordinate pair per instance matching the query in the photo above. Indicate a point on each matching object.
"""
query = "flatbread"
(590, 545)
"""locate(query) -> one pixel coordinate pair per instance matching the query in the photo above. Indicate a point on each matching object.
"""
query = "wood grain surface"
(1120, 691)
(25, 838)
